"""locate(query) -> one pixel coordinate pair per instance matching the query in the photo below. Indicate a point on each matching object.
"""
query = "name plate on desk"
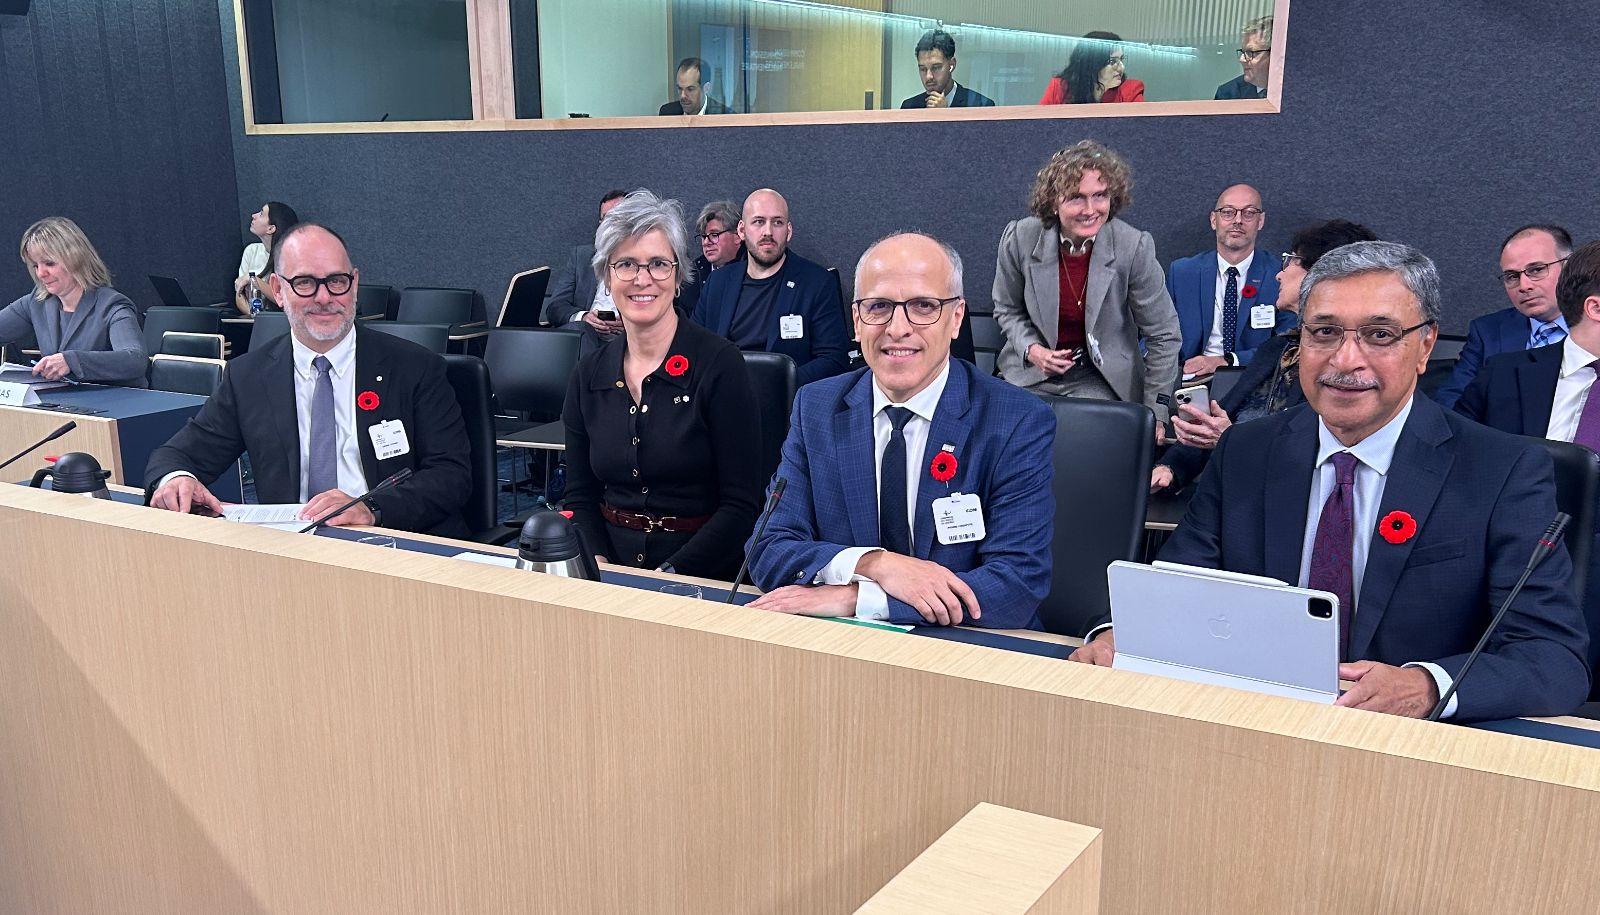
(14, 394)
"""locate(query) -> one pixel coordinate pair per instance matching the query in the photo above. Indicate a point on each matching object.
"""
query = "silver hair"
(1410, 265)
(723, 211)
(949, 253)
(638, 213)
(1261, 27)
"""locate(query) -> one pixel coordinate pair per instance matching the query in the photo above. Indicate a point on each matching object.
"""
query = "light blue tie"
(1548, 333)
(323, 472)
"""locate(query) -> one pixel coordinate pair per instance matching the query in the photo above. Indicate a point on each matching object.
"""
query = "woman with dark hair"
(1272, 380)
(86, 331)
(1094, 73)
(663, 470)
(267, 224)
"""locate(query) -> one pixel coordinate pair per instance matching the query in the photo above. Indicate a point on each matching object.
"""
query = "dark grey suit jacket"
(101, 340)
(572, 289)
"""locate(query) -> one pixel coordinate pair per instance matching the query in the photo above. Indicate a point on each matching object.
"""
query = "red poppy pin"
(1397, 527)
(676, 365)
(367, 400)
(1248, 292)
(943, 467)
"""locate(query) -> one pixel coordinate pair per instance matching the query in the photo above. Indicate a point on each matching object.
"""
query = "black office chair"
(435, 305)
(185, 375)
(1448, 346)
(1577, 489)
(1103, 453)
(987, 341)
(530, 369)
(198, 346)
(1435, 375)
(373, 302)
(524, 299)
(268, 326)
(772, 376)
(469, 376)
(162, 318)
(432, 337)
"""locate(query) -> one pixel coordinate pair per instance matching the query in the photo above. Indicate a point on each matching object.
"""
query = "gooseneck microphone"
(761, 528)
(1541, 551)
(66, 427)
(400, 476)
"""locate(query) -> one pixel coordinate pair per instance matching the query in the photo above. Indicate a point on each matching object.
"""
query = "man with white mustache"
(780, 302)
(326, 412)
(1418, 520)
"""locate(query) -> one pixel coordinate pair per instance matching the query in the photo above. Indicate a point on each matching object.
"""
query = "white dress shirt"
(352, 479)
(871, 602)
(254, 260)
(1572, 392)
(1215, 345)
(1374, 455)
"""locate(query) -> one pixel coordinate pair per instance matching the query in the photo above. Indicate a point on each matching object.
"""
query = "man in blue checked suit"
(1530, 268)
(1217, 293)
(918, 488)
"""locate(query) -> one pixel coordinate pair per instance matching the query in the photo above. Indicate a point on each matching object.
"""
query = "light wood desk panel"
(21, 427)
(213, 718)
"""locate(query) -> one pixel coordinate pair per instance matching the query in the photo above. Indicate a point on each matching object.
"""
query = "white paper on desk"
(509, 562)
(279, 516)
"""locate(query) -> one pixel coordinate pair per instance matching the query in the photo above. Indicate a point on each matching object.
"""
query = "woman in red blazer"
(1097, 70)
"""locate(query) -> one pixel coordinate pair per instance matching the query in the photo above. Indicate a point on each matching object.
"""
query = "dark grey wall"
(115, 114)
(1444, 125)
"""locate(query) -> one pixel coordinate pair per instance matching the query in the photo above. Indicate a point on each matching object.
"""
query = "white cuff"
(173, 476)
(841, 569)
(1443, 681)
(872, 603)
(1096, 631)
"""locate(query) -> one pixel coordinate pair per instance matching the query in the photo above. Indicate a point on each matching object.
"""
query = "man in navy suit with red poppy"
(1418, 520)
(327, 411)
(918, 488)
(1226, 298)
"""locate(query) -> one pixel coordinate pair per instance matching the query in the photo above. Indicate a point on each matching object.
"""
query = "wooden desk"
(236, 720)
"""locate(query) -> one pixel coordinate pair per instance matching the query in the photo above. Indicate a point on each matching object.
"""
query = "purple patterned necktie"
(1332, 550)
(1588, 434)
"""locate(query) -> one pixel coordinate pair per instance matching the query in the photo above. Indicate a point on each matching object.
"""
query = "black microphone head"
(66, 427)
(547, 536)
(76, 472)
(1558, 527)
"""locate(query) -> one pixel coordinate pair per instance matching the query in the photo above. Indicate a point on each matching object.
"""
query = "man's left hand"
(52, 367)
(809, 600)
(357, 514)
(1408, 691)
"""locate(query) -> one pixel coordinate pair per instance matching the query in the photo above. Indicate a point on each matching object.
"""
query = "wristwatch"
(377, 513)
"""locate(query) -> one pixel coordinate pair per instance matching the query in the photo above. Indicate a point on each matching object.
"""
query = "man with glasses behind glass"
(326, 412)
(1420, 521)
(1530, 269)
(1227, 298)
(918, 488)
(717, 231)
(1255, 59)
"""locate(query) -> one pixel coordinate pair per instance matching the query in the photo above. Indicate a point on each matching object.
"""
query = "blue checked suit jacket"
(1003, 439)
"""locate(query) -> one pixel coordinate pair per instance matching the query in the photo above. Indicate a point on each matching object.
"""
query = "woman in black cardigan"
(662, 433)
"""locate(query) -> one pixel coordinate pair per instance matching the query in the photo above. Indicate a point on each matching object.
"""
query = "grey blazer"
(101, 340)
(1126, 300)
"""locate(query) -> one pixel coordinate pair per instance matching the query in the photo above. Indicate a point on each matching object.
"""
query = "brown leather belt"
(640, 521)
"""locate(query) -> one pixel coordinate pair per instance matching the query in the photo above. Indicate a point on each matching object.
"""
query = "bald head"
(764, 228)
(912, 253)
(309, 240)
(1237, 219)
(907, 310)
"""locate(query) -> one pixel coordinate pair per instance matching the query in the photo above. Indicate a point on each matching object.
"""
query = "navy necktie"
(1334, 547)
(1230, 312)
(894, 528)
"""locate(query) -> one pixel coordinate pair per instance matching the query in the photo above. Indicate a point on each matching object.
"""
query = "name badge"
(389, 439)
(791, 327)
(1263, 316)
(958, 518)
(17, 394)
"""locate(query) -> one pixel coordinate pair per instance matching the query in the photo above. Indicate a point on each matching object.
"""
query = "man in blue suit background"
(918, 487)
(1419, 520)
(780, 302)
(1226, 298)
(1530, 269)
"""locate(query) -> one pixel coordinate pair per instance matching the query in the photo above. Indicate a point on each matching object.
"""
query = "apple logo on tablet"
(1220, 627)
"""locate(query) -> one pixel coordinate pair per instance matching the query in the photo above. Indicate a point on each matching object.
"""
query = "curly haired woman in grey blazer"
(86, 330)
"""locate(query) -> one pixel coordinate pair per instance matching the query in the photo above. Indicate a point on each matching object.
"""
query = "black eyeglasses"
(1535, 271)
(1290, 257)
(1252, 55)
(1229, 214)
(1370, 336)
(659, 269)
(712, 236)
(918, 311)
(306, 286)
